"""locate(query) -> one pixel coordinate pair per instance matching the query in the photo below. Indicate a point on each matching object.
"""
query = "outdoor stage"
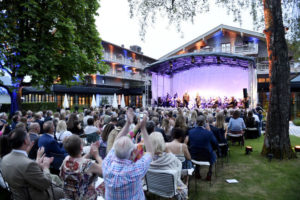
(211, 75)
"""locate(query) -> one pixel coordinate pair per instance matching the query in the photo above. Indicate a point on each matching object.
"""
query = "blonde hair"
(158, 142)
(61, 126)
(220, 120)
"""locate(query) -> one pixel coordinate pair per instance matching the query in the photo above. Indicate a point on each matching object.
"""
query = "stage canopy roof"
(175, 64)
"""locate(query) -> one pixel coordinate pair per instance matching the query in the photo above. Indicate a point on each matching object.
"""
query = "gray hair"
(158, 142)
(201, 120)
(210, 118)
(123, 147)
(33, 126)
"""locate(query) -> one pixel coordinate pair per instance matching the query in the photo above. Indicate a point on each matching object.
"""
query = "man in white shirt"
(90, 128)
(88, 115)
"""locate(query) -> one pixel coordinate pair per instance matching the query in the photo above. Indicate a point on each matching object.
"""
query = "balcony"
(242, 50)
(263, 68)
(123, 61)
(126, 75)
(246, 49)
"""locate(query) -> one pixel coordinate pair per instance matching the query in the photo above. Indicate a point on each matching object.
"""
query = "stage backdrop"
(208, 81)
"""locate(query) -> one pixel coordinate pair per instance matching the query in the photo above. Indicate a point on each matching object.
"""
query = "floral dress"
(78, 184)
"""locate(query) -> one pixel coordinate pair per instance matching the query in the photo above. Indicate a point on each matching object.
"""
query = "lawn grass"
(258, 178)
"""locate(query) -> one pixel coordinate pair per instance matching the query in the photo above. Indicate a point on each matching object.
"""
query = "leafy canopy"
(49, 40)
(178, 11)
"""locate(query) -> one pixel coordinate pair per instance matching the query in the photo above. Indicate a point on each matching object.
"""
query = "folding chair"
(161, 182)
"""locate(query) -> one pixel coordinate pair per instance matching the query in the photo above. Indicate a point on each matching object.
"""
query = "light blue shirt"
(236, 124)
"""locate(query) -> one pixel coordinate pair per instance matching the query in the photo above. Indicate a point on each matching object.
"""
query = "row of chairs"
(163, 183)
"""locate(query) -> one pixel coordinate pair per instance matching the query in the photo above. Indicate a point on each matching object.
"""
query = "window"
(261, 80)
(226, 47)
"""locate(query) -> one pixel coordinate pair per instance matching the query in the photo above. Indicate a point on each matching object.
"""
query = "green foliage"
(296, 121)
(294, 48)
(39, 106)
(32, 106)
(50, 40)
(177, 12)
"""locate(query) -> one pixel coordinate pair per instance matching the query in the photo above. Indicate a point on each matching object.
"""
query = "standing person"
(26, 178)
(122, 176)
(186, 99)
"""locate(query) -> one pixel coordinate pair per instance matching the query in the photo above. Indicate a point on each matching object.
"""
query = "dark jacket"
(53, 149)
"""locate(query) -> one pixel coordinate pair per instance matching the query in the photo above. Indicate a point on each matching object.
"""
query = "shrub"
(32, 106)
(297, 121)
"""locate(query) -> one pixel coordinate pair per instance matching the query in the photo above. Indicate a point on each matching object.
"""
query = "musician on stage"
(168, 100)
(198, 100)
(186, 99)
(232, 103)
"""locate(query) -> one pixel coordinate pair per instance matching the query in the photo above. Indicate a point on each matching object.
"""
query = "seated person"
(250, 120)
(167, 161)
(27, 179)
(80, 173)
(122, 176)
(178, 148)
(90, 128)
(202, 142)
(52, 147)
(236, 124)
(61, 131)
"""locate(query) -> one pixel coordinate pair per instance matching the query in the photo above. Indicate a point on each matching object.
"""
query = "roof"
(183, 62)
(129, 50)
(211, 32)
(296, 79)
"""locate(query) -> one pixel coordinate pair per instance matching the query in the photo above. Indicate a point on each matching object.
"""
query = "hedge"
(32, 106)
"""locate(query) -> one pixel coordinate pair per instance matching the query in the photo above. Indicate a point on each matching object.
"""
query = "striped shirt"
(123, 178)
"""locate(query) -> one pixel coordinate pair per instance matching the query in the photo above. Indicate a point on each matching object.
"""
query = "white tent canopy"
(94, 104)
(123, 101)
(115, 103)
(66, 102)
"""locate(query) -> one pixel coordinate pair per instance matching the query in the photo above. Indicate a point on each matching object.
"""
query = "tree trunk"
(277, 140)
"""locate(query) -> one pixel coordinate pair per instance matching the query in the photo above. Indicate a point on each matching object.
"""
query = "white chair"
(202, 163)
(162, 183)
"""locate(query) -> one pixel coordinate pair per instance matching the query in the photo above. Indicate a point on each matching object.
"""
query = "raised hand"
(40, 153)
(130, 115)
(46, 162)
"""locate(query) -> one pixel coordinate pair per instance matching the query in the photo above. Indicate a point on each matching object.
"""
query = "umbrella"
(115, 103)
(66, 102)
(94, 104)
(123, 101)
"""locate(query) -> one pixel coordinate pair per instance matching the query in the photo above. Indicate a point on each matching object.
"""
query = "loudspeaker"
(245, 92)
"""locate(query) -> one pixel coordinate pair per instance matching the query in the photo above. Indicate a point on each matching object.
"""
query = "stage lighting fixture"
(193, 60)
(218, 60)
(171, 65)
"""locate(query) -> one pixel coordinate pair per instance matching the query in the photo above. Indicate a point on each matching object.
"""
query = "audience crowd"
(48, 155)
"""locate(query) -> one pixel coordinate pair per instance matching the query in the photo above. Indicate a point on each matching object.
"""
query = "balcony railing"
(263, 68)
(124, 61)
(125, 75)
(243, 49)
(246, 49)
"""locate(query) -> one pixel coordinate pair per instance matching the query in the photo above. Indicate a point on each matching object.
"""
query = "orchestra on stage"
(201, 102)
